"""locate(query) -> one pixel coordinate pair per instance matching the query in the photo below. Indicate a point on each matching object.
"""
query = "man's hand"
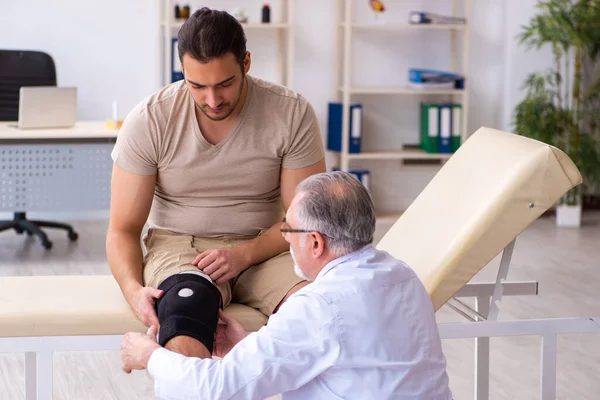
(137, 348)
(228, 334)
(221, 264)
(142, 302)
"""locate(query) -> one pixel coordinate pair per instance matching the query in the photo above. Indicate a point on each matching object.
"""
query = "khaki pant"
(262, 286)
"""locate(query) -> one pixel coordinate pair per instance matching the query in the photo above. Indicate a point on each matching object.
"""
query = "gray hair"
(339, 207)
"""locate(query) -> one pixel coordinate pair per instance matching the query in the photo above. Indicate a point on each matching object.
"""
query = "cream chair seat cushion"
(78, 305)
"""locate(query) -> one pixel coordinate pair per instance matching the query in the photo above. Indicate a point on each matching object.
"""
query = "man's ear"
(247, 62)
(317, 244)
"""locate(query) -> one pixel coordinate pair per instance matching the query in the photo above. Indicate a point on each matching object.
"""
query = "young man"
(364, 329)
(211, 163)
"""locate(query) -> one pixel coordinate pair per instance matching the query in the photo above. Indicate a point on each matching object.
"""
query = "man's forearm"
(124, 255)
(265, 246)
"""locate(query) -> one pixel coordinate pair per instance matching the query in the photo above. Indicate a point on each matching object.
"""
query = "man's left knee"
(189, 306)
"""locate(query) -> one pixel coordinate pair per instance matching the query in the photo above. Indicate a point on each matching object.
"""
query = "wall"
(107, 50)
(111, 51)
(518, 61)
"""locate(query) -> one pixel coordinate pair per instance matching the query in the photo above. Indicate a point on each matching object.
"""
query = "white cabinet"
(356, 25)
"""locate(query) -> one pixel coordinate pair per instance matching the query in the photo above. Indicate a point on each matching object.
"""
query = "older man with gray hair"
(364, 328)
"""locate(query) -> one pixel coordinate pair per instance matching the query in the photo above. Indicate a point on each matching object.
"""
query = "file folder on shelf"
(334, 127)
(363, 176)
(445, 128)
(441, 127)
(456, 126)
(176, 72)
(430, 127)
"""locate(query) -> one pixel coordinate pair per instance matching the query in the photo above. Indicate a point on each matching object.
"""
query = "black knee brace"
(188, 307)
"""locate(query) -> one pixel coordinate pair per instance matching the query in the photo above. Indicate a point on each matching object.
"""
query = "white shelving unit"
(396, 26)
(283, 26)
(400, 90)
(345, 89)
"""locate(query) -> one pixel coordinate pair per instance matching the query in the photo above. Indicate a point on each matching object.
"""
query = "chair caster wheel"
(47, 245)
(73, 236)
(19, 231)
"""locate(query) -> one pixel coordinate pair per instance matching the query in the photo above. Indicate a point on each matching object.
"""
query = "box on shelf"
(435, 79)
(424, 17)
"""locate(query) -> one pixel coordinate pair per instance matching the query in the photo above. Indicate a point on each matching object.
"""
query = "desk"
(66, 169)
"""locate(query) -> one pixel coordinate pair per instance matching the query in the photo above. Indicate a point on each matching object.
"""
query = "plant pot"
(568, 216)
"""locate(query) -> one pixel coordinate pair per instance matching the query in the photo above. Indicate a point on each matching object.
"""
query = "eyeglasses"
(286, 228)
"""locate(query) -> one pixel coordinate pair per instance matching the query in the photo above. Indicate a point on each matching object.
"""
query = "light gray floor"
(565, 262)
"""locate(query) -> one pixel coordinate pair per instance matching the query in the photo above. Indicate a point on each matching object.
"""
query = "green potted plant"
(557, 109)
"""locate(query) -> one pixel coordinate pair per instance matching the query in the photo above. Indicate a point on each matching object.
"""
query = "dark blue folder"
(334, 127)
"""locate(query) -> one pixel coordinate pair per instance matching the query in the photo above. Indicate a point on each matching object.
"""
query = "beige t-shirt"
(233, 187)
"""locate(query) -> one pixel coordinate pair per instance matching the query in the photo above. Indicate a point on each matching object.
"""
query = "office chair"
(26, 68)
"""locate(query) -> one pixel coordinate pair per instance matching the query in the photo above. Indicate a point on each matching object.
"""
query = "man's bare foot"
(291, 292)
(188, 346)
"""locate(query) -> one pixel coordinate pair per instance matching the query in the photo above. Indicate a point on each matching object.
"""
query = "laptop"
(42, 107)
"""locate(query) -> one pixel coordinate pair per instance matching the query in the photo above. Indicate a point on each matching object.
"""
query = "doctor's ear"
(317, 244)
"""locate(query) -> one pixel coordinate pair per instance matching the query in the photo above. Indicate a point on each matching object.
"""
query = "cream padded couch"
(487, 193)
(78, 305)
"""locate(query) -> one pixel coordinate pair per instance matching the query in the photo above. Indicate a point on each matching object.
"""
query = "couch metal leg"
(39, 375)
(30, 376)
(548, 367)
(482, 354)
(45, 374)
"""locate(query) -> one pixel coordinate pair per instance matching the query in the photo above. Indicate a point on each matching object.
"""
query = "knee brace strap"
(188, 307)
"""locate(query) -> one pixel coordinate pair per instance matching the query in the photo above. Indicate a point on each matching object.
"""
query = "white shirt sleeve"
(299, 342)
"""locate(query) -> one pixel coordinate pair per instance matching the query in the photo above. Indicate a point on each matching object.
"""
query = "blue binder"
(176, 73)
(362, 175)
(334, 127)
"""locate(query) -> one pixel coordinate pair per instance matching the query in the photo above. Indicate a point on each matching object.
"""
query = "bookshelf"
(412, 154)
(351, 25)
(281, 25)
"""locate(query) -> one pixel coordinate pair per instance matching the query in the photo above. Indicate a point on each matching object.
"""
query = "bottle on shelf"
(266, 13)
(185, 12)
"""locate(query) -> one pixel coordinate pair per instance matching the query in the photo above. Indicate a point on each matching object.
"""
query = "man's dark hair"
(210, 34)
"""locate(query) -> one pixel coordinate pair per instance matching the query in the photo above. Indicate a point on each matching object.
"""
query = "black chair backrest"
(22, 68)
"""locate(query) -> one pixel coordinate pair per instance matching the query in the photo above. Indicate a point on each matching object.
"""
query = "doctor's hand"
(137, 348)
(221, 264)
(228, 334)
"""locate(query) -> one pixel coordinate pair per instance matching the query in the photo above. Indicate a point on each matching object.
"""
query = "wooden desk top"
(81, 130)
